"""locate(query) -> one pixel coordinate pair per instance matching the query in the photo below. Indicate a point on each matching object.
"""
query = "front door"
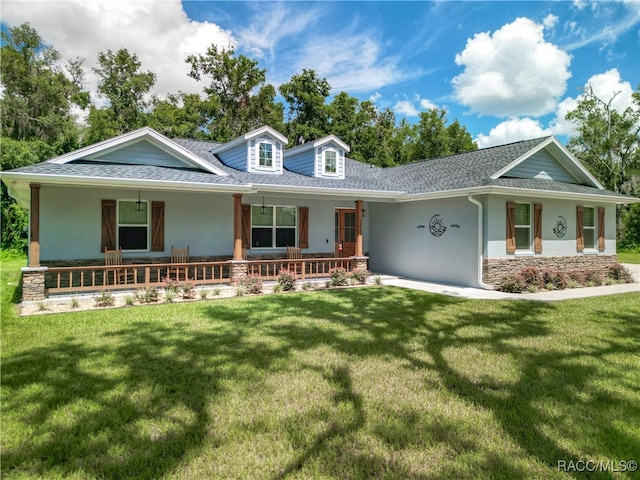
(345, 241)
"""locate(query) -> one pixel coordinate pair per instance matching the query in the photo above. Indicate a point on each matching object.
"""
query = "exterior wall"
(253, 157)
(141, 152)
(71, 218)
(542, 165)
(302, 163)
(401, 242)
(310, 162)
(552, 210)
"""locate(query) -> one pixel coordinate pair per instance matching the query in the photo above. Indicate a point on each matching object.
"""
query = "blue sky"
(505, 70)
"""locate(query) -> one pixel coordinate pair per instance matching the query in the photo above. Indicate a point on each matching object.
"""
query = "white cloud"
(512, 130)
(427, 104)
(513, 72)
(413, 108)
(159, 33)
(550, 21)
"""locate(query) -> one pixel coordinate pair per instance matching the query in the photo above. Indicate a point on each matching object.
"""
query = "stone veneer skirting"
(494, 269)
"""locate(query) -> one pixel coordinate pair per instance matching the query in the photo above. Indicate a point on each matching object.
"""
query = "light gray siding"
(141, 153)
(302, 163)
(541, 165)
(401, 242)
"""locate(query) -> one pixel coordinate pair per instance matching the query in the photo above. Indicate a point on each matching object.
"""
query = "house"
(466, 219)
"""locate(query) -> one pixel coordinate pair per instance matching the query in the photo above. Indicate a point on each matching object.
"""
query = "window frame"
(529, 227)
(259, 165)
(274, 226)
(325, 163)
(147, 225)
(594, 228)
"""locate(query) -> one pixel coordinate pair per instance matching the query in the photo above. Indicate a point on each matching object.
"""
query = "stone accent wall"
(33, 284)
(360, 263)
(237, 271)
(494, 269)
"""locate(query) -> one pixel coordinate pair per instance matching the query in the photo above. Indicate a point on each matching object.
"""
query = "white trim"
(336, 161)
(529, 249)
(144, 133)
(274, 147)
(318, 143)
(248, 136)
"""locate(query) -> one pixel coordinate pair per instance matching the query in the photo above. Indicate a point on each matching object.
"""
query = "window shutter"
(601, 229)
(246, 226)
(511, 227)
(157, 226)
(303, 235)
(580, 228)
(537, 228)
(108, 225)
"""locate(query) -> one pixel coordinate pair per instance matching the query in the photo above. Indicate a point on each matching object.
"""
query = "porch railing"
(134, 276)
(95, 278)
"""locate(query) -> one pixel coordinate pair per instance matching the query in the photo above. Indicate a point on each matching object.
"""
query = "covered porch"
(151, 270)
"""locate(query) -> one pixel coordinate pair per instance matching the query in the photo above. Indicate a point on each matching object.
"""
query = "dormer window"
(330, 162)
(265, 152)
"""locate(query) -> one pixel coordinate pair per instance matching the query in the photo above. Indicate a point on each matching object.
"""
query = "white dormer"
(323, 158)
(259, 151)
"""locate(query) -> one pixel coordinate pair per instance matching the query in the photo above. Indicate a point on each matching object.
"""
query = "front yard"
(374, 382)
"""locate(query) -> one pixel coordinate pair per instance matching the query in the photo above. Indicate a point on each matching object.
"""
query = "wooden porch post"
(34, 226)
(237, 226)
(359, 252)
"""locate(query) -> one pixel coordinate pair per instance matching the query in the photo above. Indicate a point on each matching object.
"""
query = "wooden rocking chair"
(113, 258)
(179, 255)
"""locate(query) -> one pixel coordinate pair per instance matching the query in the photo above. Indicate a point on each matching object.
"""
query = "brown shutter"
(537, 228)
(601, 229)
(511, 227)
(303, 234)
(580, 228)
(157, 226)
(246, 226)
(108, 225)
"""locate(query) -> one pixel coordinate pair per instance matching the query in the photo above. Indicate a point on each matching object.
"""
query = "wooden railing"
(303, 268)
(97, 278)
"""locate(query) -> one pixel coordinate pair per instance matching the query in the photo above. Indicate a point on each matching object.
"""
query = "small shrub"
(75, 303)
(577, 278)
(188, 291)
(512, 284)
(532, 288)
(593, 278)
(169, 296)
(620, 273)
(611, 281)
(105, 299)
(217, 291)
(550, 286)
(377, 280)
(339, 277)
(129, 300)
(42, 307)
(147, 295)
(240, 291)
(204, 293)
(532, 276)
(172, 286)
(287, 280)
(251, 284)
(359, 275)
(307, 286)
(558, 278)
(573, 283)
(277, 288)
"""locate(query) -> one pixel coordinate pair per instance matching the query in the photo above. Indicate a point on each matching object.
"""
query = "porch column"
(237, 226)
(34, 226)
(358, 252)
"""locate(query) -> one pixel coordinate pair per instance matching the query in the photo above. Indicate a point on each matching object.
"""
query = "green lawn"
(629, 256)
(359, 383)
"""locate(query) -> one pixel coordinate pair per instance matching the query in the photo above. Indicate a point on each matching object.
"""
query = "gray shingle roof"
(466, 170)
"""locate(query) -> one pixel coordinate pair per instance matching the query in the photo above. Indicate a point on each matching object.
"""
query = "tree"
(38, 95)
(308, 115)
(125, 88)
(607, 140)
(608, 143)
(435, 139)
(179, 116)
(238, 98)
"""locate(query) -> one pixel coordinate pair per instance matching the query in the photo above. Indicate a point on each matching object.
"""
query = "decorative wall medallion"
(561, 227)
(436, 226)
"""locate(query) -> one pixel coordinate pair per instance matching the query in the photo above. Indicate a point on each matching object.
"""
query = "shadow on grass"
(136, 405)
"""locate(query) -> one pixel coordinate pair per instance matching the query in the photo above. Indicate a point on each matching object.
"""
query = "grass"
(629, 256)
(373, 382)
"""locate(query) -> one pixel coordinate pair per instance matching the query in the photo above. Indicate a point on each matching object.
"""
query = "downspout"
(480, 245)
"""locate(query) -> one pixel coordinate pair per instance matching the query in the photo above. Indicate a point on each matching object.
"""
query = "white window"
(330, 162)
(133, 225)
(265, 155)
(273, 227)
(523, 226)
(589, 227)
